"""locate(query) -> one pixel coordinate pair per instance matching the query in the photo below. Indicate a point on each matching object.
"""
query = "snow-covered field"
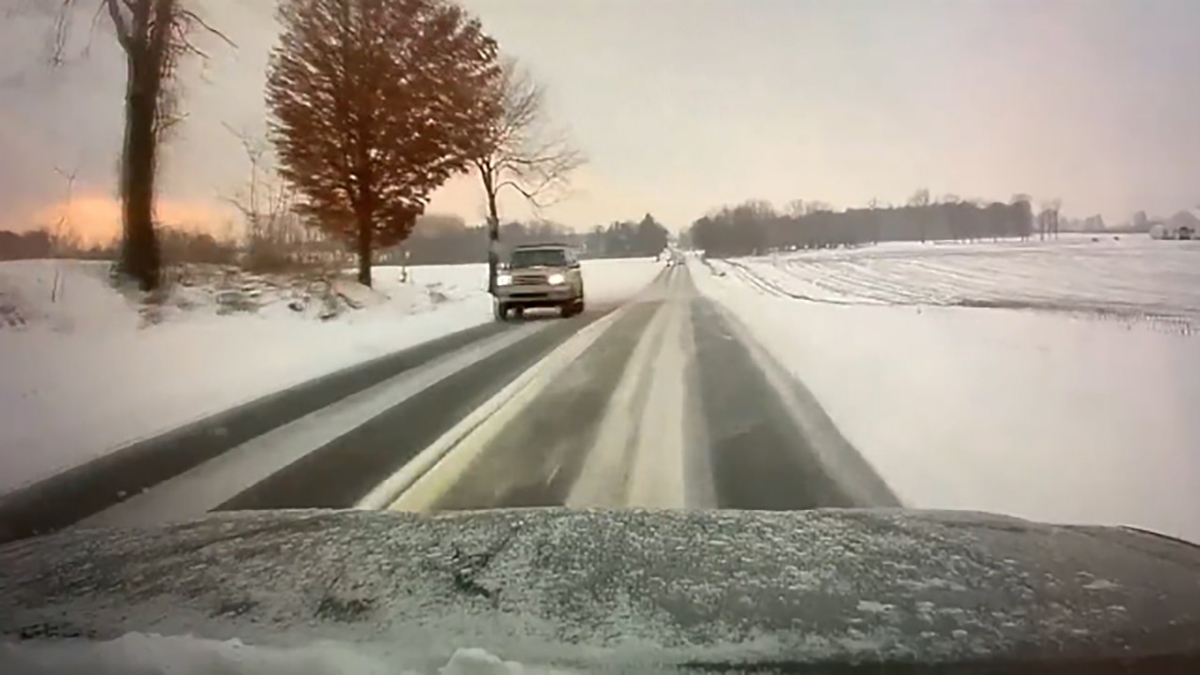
(85, 369)
(1056, 381)
(1135, 278)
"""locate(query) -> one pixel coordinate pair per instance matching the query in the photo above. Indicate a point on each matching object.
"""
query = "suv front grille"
(529, 279)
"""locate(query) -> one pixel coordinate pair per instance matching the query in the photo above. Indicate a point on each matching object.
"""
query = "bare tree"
(520, 152)
(154, 34)
(1021, 201)
(62, 227)
(795, 208)
(375, 104)
(1050, 209)
(266, 202)
(920, 198)
(58, 237)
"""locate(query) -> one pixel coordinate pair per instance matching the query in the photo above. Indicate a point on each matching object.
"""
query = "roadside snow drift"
(1079, 402)
(85, 368)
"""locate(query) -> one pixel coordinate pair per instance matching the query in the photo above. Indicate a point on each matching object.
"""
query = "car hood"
(545, 585)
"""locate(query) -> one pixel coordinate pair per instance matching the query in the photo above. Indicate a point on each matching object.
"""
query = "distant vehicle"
(539, 275)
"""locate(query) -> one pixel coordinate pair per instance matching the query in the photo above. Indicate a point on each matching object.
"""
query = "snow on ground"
(1053, 381)
(617, 280)
(1138, 277)
(85, 369)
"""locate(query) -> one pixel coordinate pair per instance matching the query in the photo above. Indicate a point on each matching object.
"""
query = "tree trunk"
(364, 247)
(489, 186)
(140, 255)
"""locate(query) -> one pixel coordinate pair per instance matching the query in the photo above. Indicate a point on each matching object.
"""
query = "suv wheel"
(500, 310)
(572, 308)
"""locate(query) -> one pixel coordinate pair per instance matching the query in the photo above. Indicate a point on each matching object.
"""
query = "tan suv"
(539, 275)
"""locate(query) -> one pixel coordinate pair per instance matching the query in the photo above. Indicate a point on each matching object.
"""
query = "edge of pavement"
(845, 464)
(67, 497)
(241, 468)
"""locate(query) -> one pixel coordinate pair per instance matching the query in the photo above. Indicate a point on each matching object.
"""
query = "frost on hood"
(139, 654)
(580, 588)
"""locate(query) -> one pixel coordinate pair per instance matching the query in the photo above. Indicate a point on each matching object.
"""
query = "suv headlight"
(556, 279)
(503, 279)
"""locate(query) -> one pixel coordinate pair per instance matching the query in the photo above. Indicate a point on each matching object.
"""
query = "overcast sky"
(684, 105)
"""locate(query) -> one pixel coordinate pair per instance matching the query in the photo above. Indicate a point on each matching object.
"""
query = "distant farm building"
(1182, 225)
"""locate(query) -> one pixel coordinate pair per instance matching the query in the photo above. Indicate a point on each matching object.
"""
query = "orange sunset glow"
(96, 218)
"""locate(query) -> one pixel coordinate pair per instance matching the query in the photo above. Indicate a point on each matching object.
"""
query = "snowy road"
(671, 408)
(662, 402)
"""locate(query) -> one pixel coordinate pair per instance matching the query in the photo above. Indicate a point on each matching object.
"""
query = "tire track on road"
(606, 477)
(537, 458)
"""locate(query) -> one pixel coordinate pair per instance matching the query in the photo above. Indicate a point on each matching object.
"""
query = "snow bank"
(93, 369)
(1086, 414)
(137, 654)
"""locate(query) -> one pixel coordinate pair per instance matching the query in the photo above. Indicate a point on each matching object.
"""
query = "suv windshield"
(539, 257)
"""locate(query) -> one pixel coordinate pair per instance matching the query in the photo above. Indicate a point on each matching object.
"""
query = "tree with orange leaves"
(375, 104)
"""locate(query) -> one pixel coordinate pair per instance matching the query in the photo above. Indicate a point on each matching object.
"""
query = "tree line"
(25, 245)
(373, 105)
(437, 240)
(444, 240)
(756, 227)
(176, 245)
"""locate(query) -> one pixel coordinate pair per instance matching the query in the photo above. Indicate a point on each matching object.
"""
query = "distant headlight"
(556, 279)
(503, 279)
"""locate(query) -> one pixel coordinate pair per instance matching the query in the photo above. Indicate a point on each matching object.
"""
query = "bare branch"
(521, 153)
(191, 17)
(124, 35)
